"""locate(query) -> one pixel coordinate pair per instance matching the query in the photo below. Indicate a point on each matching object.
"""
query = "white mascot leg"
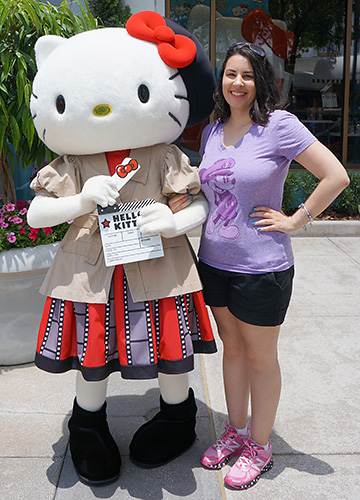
(174, 389)
(90, 396)
(94, 452)
(172, 431)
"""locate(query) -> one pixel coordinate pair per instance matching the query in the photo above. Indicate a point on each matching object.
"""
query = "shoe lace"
(248, 454)
(250, 450)
(223, 441)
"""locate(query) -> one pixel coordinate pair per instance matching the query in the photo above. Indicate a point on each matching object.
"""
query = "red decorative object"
(123, 170)
(177, 51)
(257, 27)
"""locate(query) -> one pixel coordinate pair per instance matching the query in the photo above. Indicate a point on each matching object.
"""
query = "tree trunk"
(7, 182)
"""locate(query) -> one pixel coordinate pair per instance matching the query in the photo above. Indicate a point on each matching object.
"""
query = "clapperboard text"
(125, 216)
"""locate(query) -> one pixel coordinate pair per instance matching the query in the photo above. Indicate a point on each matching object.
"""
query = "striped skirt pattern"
(137, 339)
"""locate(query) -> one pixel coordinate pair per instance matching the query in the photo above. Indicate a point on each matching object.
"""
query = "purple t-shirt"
(235, 180)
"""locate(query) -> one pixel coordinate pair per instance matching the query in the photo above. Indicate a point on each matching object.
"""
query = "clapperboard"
(121, 238)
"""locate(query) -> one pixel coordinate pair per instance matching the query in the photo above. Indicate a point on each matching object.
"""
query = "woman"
(245, 256)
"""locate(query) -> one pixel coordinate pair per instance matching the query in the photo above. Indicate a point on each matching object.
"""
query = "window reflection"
(354, 96)
(305, 42)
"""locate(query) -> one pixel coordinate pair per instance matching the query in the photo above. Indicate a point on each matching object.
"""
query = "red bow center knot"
(164, 34)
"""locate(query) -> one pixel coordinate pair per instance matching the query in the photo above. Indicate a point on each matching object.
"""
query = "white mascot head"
(115, 88)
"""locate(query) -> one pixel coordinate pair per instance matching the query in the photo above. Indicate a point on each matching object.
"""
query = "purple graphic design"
(218, 178)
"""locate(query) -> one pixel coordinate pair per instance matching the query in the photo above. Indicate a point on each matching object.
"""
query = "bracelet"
(308, 215)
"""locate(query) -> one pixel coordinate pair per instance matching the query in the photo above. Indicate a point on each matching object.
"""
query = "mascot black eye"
(60, 104)
(143, 93)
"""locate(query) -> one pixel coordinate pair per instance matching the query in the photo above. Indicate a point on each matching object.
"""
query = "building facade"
(314, 47)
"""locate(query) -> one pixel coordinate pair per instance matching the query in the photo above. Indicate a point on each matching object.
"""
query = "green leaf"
(6, 61)
(4, 13)
(27, 94)
(31, 9)
(3, 126)
(30, 131)
(20, 83)
(15, 132)
(3, 88)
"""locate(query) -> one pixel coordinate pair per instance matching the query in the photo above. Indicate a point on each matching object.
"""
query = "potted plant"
(25, 253)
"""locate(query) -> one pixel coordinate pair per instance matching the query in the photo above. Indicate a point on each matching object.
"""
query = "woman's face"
(238, 83)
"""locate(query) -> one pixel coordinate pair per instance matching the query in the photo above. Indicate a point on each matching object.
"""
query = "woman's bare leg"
(265, 378)
(250, 365)
(235, 367)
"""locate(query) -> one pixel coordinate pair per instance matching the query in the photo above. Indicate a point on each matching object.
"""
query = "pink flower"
(11, 237)
(47, 230)
(33, 233)
(4, 225)
(23, 211)
(10, 207)
(17, 220)
(22, 231)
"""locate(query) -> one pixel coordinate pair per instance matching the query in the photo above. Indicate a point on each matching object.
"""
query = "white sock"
(266, 446)
(242, 431)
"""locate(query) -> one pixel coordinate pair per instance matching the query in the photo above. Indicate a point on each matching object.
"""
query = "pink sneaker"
(231, 443)
(247, 470)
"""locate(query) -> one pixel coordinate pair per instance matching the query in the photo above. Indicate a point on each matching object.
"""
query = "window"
(315, 58)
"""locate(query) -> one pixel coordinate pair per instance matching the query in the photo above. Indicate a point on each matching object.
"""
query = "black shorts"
(256, 299)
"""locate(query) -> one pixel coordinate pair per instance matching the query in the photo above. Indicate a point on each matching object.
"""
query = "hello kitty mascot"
(98, 98)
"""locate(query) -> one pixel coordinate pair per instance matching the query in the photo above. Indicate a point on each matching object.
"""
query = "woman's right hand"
(178, 202)
(99, 190)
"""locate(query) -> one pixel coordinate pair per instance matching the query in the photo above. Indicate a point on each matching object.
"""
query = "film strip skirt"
(137, 339)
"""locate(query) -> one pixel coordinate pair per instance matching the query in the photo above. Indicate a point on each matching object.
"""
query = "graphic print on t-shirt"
(218, 177)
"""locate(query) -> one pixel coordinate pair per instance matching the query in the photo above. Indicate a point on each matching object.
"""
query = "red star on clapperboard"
(105, 223)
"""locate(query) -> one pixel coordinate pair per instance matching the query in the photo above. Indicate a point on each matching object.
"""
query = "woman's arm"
(321, 162)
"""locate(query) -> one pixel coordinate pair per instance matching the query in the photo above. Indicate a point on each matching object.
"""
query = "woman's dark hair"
(268, 95)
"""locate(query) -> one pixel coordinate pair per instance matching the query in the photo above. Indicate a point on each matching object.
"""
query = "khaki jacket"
(78, 272)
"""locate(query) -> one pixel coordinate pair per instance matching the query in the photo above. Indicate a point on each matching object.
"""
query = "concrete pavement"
(316, 437)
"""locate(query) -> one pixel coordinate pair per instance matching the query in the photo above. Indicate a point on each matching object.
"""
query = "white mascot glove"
(46, 211)
(159, 219)
(99, 190)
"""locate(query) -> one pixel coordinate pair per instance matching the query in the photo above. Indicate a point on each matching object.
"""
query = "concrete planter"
(330, 228)
(22, 271)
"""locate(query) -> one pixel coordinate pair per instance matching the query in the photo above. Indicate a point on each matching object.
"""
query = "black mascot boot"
(94, 452)
(166, 436)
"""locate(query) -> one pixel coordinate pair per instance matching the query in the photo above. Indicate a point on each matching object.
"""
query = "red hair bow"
(176, 51)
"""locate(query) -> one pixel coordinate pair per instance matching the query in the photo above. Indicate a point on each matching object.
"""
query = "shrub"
(348, 201)
(22, 22)
(299, 185)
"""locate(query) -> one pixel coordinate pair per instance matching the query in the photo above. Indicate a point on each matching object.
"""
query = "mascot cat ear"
(45, 45)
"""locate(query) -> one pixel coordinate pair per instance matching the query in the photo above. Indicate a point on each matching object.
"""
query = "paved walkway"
(316, 438)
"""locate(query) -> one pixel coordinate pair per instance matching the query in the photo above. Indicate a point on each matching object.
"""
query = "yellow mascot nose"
(102, 110)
